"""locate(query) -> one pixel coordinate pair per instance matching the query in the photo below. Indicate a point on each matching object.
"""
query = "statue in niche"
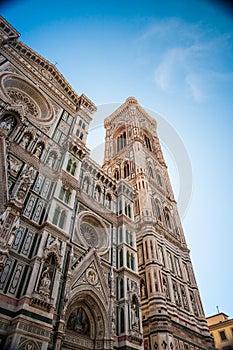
(176, 295)
(3, 217)
(26, 180)
(51, 160)
(165, 288)
(38, 151)
(134, 316)
(8, 123)
(143, 288)
(45, 283)
(25, 141)
(78, 321)
(184, 297)
(193, 304)
(15, 225)
(85, 185)
(14, 165)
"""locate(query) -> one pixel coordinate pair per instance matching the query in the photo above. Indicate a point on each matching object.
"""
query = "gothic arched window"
(108, 201)
(128, 210)
(158, 177)
(121, 288)
(62, 219)
(157, 210)
(65, 194)
(132, 261)
(98, 193)
(150, 172)
(121, 258)
(86, 184)
(116, 174)
(120, 207)
(126, 170)
(74, 166)
(56, 215)
(121, 141)
(69, 164)
(122, 320)
(147, 142)
(128, 259)
(167, 218)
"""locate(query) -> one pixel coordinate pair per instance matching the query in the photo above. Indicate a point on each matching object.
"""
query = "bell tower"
(172, 312)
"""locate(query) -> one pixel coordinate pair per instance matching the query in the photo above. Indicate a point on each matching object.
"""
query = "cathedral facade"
(91, 257)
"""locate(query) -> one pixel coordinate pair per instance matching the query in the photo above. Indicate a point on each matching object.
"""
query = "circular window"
(92, 231)
(89, 234)
(21, 92)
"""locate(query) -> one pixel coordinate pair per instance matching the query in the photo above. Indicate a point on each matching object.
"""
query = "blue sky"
(176, 58)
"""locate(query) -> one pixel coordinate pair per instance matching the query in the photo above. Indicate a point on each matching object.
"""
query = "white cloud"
(194, 83)
(163, 72)
(187, 57)
(177, 69)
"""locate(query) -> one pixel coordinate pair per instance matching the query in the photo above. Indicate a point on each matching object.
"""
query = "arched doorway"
(86, 323)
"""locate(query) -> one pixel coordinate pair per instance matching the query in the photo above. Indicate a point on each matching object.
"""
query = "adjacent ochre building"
(90, 257)
(221, 328)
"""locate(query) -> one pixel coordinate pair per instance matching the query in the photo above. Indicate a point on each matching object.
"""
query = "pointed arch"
(86, 319)
(52, 158)
(86, 184)
(108, 200)
(150, 171)
(62, 219)
(159, 180)
(116, 174)
(121, 288)
(121, 138)
(157, 210)
(167, 216)
(98, 193)
(69, 164)
(73, 169)
(38, 151)
(148, 140)
(26, 139)
(126, 170)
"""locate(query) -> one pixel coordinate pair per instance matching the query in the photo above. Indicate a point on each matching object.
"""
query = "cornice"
(221, 324)
(42, 70)
(8, 31)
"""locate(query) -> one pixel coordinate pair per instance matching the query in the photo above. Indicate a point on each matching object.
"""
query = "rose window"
(89, 234)
(20, 98)
(20, 92)
(92, 232)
